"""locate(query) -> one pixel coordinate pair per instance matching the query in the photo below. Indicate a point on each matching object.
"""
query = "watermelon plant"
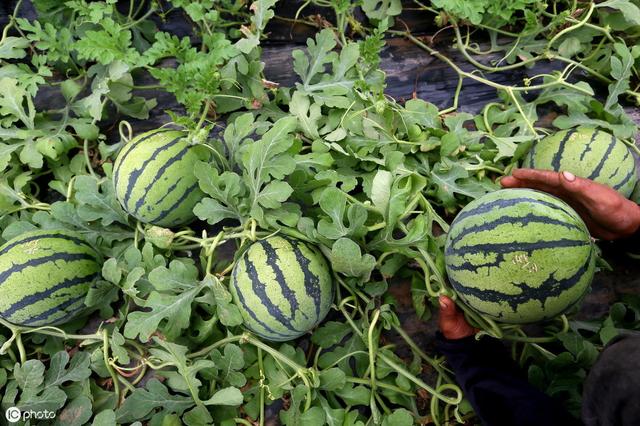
(519, 256)
(268, 251)
(589, 153)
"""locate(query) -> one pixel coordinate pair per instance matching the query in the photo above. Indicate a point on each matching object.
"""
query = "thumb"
(571, 183)
(447, 308)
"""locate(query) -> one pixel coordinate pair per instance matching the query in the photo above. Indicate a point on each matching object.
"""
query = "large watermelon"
(282, 287)
(519, 256)
(154, 180)
(587, 153)
(45, 276)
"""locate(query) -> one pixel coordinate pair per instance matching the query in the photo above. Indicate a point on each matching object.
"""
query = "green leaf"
(171, 309)
(569, 47)
(380, 9)
(630, 11)
(13, 48)
(347, 259)
(76, 413)
(98, 201)
(29, 375)
(176, 355)
(417, 111)
(230, 365)
(621, 68)
(12, 101)
(144, 401)
(226, 396)
(263, 12)
(58, 373)
(333, 203)
(308, 114)
(330, 333)
(105, 418)
(451, 179)
(400, 417)
(106, 46)
(332, 379)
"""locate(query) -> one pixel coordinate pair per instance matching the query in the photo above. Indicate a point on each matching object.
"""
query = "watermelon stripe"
(136, 173)
(551, 287)
(37, 296)
(311, 281)
(503, 248)
(529, 160)
(157, 177)
(260, 292)
(253, 315)
(603, 160)
(504, 203)
(523, 220)
(622, 164)
(626, 179)
(587, 148)
(170, 190)
(67, 257)
(163, 214)
(78, 241)
(46, 314)
(70, 314)
(557, 158)
(129, 147)
(271, 261)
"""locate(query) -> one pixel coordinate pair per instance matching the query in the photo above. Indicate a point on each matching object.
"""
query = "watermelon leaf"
(154, 395)
(169, 305)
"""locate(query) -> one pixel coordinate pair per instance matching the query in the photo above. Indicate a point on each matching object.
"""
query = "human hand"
(607, 214)
(452, 323)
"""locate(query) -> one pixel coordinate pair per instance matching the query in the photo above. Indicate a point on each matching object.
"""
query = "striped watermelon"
(282, 287)
(154, 180)
(587, 153)
(45, 276)
(519, 256)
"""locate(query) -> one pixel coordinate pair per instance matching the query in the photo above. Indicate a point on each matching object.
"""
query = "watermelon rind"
(519, 256)
(45, 276)
(588, 153)
(154, 178)
(283, 288)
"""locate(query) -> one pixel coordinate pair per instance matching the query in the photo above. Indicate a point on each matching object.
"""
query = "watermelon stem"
(244, 338)
(106, 359)
(20, 346)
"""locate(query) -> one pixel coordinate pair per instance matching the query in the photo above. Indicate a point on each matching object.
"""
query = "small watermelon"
(282, 287)
(519, 256)
(45, 277)
(154, 180)
(587, 153)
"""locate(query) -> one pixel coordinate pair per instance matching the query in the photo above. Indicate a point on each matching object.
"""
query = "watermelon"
(154, 180)
(45, 277)
(282, 287)
(519, 256)
(589, 153)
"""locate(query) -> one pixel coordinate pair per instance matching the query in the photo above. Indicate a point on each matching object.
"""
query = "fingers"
(447, 306)
(607, 214)
(451, 321)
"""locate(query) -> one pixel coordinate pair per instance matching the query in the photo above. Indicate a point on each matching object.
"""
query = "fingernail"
(569, 176)
(443, 303)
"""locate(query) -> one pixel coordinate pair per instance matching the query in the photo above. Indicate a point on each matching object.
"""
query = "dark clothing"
(612, 388)
(496, 387)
